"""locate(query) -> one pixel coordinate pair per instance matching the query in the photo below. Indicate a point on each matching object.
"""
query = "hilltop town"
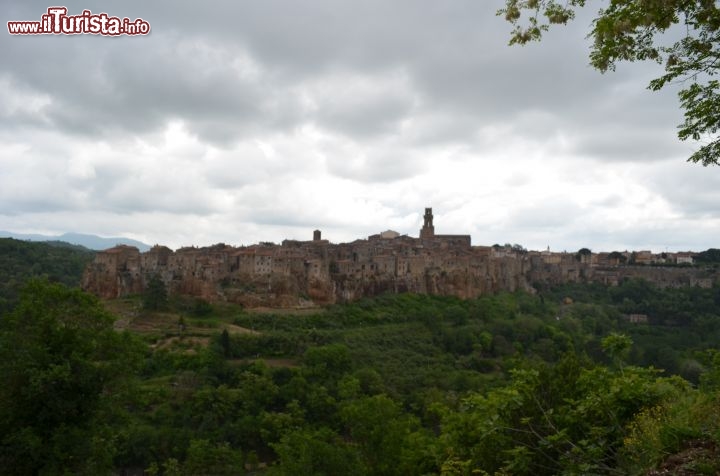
(307, 273)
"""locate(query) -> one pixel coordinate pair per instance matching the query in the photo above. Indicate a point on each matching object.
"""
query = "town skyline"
(100, 243)
(427, 232)
(297, 272)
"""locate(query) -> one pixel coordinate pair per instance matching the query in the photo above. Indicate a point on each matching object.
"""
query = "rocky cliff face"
(316, 272)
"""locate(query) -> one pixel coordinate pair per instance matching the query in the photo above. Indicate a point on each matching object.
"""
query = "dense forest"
(21, 260)
(573, 380)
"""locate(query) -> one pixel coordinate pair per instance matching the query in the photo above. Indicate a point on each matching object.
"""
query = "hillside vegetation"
(556, 383)
(21, 260)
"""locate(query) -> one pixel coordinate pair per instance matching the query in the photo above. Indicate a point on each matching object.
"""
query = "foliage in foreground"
(506, 384)
(63, 370)
(682, 34)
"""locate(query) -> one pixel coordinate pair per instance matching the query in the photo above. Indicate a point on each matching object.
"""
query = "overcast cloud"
(239, 122)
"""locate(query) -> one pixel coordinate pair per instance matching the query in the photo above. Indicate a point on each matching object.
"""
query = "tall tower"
(428, 230)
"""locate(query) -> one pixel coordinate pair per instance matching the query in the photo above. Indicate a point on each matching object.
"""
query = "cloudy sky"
(246, 121)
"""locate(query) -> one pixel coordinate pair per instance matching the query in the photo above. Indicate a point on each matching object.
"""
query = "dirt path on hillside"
(233, 329)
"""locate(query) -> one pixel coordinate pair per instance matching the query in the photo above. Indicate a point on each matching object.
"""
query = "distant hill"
(92, 242)
(21, 260)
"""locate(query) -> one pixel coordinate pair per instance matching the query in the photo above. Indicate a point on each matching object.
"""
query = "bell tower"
(428, 230)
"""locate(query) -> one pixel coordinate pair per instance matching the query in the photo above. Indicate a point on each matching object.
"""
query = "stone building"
(295, 271)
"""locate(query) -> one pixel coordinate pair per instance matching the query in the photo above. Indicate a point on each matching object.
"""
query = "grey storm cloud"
(133, 89)
(234, 69)
(283, 113)
(693, 192)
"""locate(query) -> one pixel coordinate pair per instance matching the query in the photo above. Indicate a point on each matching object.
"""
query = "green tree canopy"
(640, 30)
(617, 346)
(61, 367)
(155, 297)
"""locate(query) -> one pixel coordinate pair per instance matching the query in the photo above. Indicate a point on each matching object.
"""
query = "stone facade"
(299, 273)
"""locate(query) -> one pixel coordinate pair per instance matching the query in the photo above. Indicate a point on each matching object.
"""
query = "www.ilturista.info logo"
(57, 22)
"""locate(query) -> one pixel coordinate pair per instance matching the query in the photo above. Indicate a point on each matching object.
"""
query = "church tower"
(428, 230)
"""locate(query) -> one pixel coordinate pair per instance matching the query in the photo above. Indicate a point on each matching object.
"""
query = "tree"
(62, 368)
(155, 297)
(204, 457)
(617, 346)
(711, 255)
(566, 418)
(641, 30)
(327, 362)
(225, 344)
(319, 451)
(617, 256)
(519, 248)
(381, 431)
(583, 253)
